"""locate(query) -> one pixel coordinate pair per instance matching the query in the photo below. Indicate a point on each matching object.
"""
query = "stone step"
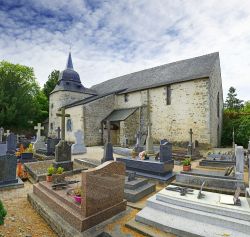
(61, 195)
(138, 182)
(210, 208)
(199, 216)
(181, 225)
(69, 214)
(134, 195)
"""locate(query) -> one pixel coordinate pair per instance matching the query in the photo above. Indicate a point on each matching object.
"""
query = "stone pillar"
(239, 173)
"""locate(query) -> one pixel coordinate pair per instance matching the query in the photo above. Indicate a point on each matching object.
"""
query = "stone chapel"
(170, 98)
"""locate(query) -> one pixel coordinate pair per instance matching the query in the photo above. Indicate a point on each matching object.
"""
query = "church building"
(169, 99)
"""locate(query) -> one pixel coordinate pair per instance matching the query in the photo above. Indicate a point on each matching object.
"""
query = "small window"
(125, 97)
(218, 105)
(51, 126)
(168, 95)
(52, 105)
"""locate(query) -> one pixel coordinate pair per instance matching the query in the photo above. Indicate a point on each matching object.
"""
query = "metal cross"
(63, 116)
(38, 128)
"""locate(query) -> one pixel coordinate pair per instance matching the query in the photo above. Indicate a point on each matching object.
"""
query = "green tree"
(232, 102)
(19, 96)
(51, 83)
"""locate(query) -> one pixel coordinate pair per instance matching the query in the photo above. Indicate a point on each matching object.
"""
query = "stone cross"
(233, 139)
(63, 116)
(38, 133)
(1, 134)
(108, 127)
(7, 133)
(58, 130)
(190, 144)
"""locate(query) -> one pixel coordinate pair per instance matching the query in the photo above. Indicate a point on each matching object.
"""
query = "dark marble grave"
(8, 178)
(63, 156)
(11, 143)
(151, 168)
(137, 188)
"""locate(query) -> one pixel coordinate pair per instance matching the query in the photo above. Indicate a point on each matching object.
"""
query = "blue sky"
(110, 38)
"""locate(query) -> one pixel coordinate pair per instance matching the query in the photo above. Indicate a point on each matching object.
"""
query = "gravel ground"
(21, 219)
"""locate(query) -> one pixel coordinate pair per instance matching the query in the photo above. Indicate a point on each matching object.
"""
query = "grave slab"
(167, 209)
(137, 189)
(103, 192)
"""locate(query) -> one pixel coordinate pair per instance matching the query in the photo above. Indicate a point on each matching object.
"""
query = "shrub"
(3, 213)
(59, 170)
(186, 162)
(51, 170)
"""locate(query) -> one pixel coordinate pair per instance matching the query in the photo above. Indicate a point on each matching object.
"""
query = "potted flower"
(186, 164)
(59, 170)
(77, 194)
(50, 172)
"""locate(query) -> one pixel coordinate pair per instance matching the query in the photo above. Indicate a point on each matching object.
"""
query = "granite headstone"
(11, 143)
(165, 150)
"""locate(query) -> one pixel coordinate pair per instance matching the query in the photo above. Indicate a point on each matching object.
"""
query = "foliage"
(3, 213)
(21, 101)
(238, 122)
(186, 162)
(232, 102)
(51, 170)
(59, 170)
(78, 191)
(51, 83)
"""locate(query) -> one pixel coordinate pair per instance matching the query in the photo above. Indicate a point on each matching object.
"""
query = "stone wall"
(216, 105)
(131, 126)
(189, 108)
(76, 116)
(56, 101)
(93, 114)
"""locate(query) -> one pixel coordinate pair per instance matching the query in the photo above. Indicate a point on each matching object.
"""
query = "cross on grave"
(108, 127)
(38, 133)
(58, 130)
(63, 116)
(1, 134)
(7, 133)
(190, 144)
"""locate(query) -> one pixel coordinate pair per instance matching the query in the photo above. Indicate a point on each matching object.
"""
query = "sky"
(110, 38)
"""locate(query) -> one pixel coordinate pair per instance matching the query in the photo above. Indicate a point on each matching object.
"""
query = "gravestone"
(3, 149)
(51, 145)
(165, 150)
(39, 143)
(239, 172)
(78, 147)
(149, 141)
(138, 147)
(102, 198)
(63, 149)
(11, 144)
(1, 134)
(108, 148)
(8, 176)
(190, 144)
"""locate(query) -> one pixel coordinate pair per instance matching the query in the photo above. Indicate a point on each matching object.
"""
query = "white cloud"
(120, 37)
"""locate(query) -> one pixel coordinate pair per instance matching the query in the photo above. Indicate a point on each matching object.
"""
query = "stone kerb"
(103, 187)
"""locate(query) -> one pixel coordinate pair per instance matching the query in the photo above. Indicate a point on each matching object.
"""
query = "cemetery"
(144, 136)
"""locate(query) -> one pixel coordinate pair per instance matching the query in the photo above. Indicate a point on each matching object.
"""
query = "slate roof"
(120, 114)
(69, 80)
(184, 70)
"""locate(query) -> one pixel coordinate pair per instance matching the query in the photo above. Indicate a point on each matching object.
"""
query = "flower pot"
(49, 178)
(78, 199)
(186, 167)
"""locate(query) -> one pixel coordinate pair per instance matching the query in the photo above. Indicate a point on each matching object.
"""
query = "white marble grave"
(39, 143)
(189, 216)
(78, 147)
